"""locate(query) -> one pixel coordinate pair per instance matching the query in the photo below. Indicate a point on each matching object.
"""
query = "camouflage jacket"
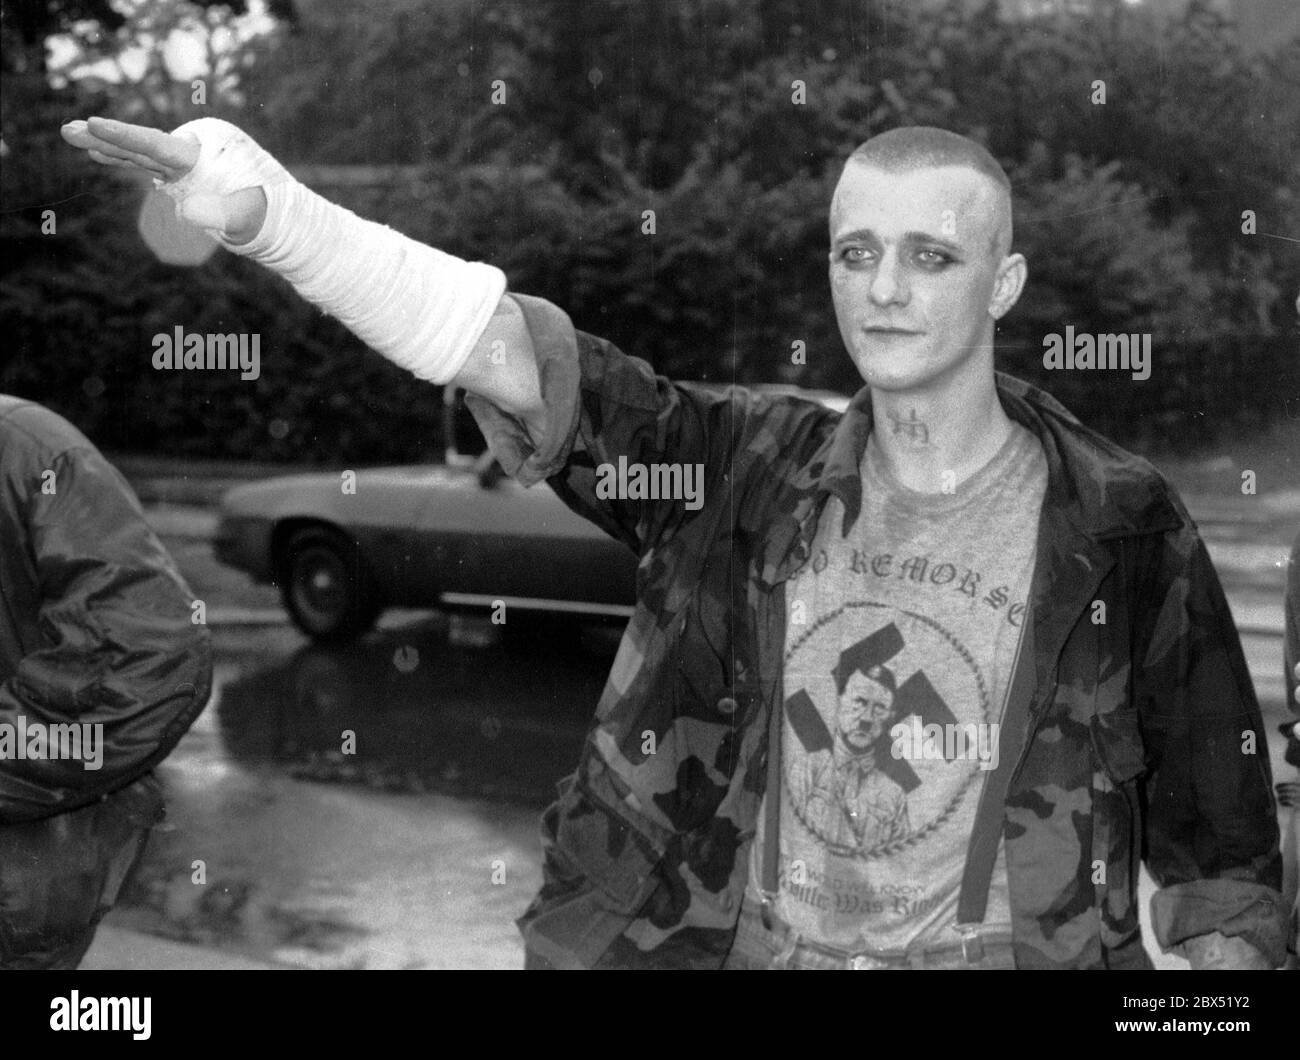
(1136, 724)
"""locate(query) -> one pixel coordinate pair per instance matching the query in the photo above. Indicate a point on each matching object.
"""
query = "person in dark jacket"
(101, 673)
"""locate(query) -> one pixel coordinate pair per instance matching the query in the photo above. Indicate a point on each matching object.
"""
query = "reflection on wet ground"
(410, 712)
(374, 806)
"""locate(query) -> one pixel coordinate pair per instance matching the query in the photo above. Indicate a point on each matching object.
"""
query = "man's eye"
(854, 254)
(934, 257)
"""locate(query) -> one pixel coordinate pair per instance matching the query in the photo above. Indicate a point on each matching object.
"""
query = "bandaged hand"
(232, 215)
(421, 308)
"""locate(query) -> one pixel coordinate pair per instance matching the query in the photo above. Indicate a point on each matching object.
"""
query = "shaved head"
(914, 147)
(920, 258)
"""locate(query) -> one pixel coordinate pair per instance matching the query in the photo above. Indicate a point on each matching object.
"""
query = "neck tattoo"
(913, 429)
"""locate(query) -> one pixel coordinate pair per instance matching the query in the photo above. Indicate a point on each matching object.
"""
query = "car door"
(501, 541)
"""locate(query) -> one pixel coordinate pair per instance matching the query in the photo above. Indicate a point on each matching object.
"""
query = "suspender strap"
(1013, 731)
(772, 813)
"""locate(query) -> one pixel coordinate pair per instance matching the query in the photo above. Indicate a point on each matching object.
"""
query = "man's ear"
(1010, 281)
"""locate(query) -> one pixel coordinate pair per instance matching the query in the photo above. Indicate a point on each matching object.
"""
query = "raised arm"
(555, 405)
(441, 318)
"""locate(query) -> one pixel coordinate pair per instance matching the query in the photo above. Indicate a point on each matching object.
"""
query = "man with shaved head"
(1066, 691)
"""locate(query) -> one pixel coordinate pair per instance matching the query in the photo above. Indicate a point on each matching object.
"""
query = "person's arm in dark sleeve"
(120, 648)
(1212, 836)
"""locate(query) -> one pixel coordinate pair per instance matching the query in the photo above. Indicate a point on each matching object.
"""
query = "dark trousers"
(60, 875)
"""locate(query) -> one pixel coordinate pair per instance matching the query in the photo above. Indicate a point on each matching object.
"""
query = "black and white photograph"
(677, 485)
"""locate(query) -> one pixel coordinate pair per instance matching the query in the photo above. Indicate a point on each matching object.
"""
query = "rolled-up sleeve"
(555, 348)
(606, 411)
(1212, 835)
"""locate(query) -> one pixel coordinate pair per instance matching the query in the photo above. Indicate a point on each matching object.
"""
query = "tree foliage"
(1130, 212)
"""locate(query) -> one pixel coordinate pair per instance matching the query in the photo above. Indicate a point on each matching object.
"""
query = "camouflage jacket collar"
(1094, 492)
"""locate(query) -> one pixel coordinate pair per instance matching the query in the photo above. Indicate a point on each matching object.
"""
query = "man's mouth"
(857, 742)
(889, 331)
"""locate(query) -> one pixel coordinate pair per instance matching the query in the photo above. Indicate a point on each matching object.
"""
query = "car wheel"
(326, 586)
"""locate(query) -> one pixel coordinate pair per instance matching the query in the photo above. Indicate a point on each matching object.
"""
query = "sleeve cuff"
(1234, 908)
(555, 345)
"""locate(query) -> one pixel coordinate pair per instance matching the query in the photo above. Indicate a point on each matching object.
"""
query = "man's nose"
(888, 285)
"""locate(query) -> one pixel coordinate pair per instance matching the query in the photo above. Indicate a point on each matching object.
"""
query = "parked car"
(457, 535)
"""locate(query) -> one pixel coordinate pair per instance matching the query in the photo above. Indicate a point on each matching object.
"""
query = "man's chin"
(880, 374)
(914, 372)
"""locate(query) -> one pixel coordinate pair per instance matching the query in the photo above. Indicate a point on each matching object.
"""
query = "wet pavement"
(376, 806)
